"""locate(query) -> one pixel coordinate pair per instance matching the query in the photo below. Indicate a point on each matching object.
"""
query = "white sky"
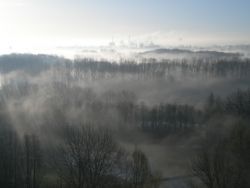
(43, 23)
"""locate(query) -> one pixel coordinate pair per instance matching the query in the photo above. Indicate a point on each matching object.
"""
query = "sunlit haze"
(33, 25)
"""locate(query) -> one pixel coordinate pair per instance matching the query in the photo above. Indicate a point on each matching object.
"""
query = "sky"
(97, 22)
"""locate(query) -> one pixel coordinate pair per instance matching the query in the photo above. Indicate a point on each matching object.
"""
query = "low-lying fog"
(40, 93)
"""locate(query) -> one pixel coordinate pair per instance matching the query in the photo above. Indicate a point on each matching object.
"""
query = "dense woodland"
(91, 69)
(86, 124)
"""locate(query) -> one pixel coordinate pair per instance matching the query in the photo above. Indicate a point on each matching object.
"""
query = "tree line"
(90, 69)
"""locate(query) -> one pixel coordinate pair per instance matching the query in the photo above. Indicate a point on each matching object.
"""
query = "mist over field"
(160, 106)
(124, 94)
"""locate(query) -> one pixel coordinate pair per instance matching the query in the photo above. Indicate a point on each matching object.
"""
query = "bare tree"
(224, 162)
(33, 161)
(87, 158)
(140, 169)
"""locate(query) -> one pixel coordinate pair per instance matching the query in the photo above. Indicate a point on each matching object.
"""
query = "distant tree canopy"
(29, 63)
(91, 69)
(239, 103)
(66, 123)
(167, 119)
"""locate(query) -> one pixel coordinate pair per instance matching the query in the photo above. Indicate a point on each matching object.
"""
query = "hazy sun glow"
(42, 24)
